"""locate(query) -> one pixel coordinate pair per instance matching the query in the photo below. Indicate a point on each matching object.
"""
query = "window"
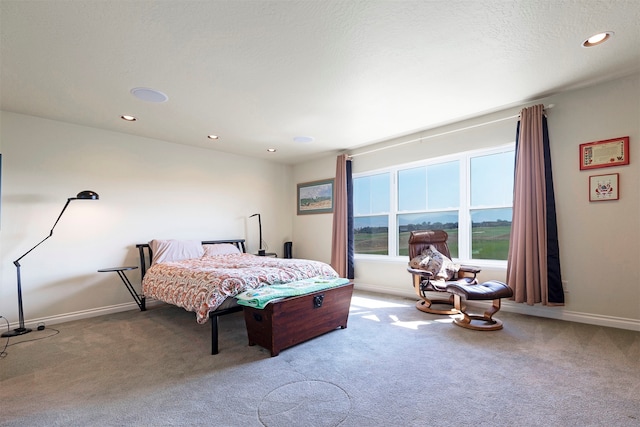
(491, 205)
(371, 208)
(470, 195)
(428, 197)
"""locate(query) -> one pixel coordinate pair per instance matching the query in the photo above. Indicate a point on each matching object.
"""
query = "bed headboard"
(146, 255)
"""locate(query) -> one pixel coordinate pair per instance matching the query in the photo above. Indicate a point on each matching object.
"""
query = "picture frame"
(604, 187)
(606, 153)
(315, 197)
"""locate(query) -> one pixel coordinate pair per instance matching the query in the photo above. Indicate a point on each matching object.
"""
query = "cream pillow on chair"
(435, 262)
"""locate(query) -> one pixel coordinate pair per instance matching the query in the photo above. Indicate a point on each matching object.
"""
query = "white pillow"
(175, 250)
(220, 249)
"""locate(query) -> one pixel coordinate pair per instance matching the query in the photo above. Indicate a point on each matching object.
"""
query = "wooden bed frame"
(146, 255)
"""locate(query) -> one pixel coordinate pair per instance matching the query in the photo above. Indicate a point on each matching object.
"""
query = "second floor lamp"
(261, 251)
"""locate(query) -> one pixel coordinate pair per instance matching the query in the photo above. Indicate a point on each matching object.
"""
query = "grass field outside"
(487, 242)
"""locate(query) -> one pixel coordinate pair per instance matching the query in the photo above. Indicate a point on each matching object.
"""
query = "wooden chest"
(293, 320)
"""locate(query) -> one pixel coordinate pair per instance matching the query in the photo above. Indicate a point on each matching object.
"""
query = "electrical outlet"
(565, 286)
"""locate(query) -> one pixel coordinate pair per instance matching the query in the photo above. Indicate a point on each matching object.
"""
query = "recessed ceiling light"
(597, 39)
(213, 136)
(303, 139)
(128, 118)
(149, 95)
(271, 150)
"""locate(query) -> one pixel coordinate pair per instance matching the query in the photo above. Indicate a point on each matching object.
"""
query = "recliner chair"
(425, 281)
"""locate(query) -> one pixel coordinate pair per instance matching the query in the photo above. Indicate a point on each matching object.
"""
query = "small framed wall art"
(604, 187)
(602, 154)
(315, 197)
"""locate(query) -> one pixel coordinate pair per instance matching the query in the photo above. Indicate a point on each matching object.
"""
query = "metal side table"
(139, 299)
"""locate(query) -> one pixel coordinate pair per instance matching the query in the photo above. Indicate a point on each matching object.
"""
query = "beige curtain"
(340, 223)
(527, 262)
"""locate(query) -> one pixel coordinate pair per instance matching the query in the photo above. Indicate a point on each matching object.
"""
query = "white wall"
(312, 233)
(599, 241)
(148, 189)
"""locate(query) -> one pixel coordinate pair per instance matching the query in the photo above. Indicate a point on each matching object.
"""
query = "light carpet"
(392, 366)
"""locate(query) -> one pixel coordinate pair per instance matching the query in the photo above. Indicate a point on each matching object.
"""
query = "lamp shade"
(87, 195)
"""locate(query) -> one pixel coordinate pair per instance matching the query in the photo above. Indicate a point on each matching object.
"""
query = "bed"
(204, 276)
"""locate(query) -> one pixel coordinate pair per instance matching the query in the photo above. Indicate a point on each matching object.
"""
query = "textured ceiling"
(259, 73)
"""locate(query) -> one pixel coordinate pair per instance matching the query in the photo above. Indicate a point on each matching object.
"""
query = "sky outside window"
(492, 180)
(371, 194)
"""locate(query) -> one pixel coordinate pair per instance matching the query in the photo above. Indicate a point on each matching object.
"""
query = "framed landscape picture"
(315, 197)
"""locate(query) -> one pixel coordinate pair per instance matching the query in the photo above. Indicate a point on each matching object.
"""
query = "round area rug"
(309, 403)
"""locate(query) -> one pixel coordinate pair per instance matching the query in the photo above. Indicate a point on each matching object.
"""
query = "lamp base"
(16, 332)
(261, 252)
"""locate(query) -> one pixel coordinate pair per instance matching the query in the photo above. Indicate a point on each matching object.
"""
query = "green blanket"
(260, 297)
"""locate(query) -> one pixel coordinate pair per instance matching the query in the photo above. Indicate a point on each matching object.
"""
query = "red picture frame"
(605, 153)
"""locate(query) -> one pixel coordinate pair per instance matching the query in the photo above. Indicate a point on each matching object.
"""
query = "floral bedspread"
(202, 284)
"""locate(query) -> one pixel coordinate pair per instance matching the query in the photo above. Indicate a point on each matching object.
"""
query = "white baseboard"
(559, 313)
(572, 316)
(539, 311)
(83, 314)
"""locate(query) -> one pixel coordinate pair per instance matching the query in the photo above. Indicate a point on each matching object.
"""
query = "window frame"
(464, 207)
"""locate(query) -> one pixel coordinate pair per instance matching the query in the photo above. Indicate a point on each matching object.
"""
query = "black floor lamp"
(261, 251)
(21, 330)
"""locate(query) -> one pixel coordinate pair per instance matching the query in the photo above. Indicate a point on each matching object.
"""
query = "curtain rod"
(422, 138)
